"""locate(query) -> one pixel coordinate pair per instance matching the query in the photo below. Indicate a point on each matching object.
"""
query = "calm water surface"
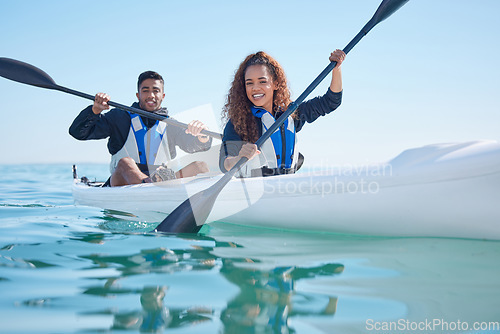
(70, 269)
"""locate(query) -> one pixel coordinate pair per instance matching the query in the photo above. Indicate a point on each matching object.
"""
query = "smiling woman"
(89, 55)
(182, 218)
(260, 86)
(258, 96)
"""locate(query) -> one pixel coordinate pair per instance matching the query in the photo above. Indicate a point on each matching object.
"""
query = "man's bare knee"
(126, 163)
(201, 167)
(193, 169)
(127, 172)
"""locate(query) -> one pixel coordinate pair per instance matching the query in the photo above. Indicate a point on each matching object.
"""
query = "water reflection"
(155, 316)
(264, 301)
(247, 280)
(268, 298)
(147, 261)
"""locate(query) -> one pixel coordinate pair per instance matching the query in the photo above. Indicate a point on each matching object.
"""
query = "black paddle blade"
(190, 216)
(25, 73)
(387, 8)
(198, 207)
(183, 218)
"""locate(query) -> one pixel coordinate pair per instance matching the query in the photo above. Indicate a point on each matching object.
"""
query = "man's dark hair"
(148, 75)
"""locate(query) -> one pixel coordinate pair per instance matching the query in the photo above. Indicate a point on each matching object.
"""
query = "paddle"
(193, 212)
(28, 74)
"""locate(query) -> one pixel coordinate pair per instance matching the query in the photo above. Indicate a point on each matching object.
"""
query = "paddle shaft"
(183, 218)
(215, 189)
(30, 75)
(137, 111)
(294, 105)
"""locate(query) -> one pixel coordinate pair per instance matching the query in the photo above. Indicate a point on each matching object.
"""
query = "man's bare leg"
(126, 173)
(194, 168)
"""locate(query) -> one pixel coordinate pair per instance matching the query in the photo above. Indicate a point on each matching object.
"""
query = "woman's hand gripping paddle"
(193, 212)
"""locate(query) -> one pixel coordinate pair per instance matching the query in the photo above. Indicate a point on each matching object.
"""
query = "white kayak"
(444, 190)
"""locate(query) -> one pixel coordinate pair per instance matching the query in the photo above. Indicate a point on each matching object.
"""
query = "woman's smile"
(260, 87)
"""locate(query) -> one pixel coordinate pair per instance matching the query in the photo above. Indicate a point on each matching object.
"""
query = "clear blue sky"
(428, 74)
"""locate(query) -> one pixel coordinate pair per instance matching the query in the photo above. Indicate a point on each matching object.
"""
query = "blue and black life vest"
(278, 153)
(283, 140)
(145, 146)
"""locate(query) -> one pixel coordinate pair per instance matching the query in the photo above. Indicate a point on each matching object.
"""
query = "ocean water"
(74, 269)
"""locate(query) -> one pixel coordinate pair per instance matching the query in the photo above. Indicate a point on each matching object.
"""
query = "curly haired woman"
(258, 95)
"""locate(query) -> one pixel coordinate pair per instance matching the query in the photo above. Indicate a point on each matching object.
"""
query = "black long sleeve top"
(115, 125)
(308, 112)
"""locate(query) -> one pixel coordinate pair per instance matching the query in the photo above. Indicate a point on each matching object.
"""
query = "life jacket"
(278, 153)
(145, 146)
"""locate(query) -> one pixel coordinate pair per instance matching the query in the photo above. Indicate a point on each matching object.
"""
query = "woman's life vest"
(278, 153)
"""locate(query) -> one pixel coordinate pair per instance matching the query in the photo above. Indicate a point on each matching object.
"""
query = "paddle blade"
(25, 73)
(387, 8)
(183, 218)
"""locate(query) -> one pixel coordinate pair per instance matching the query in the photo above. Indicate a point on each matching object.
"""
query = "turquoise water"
(70, 269)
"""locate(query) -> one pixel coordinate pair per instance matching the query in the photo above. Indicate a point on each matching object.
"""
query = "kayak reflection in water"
(267, 299)
(155, 317)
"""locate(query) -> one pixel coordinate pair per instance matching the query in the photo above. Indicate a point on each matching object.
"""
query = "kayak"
(441, 190)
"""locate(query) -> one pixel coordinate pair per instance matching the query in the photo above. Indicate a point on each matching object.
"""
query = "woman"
(258, 96)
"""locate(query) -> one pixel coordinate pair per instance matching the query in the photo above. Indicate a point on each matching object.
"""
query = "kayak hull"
(447, 190)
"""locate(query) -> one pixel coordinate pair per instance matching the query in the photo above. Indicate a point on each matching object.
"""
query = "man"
(139, 146)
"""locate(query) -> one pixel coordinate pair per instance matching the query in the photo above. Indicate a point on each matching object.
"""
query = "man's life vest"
(145, 146)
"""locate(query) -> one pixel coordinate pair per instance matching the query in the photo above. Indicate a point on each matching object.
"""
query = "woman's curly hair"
(238, 106)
